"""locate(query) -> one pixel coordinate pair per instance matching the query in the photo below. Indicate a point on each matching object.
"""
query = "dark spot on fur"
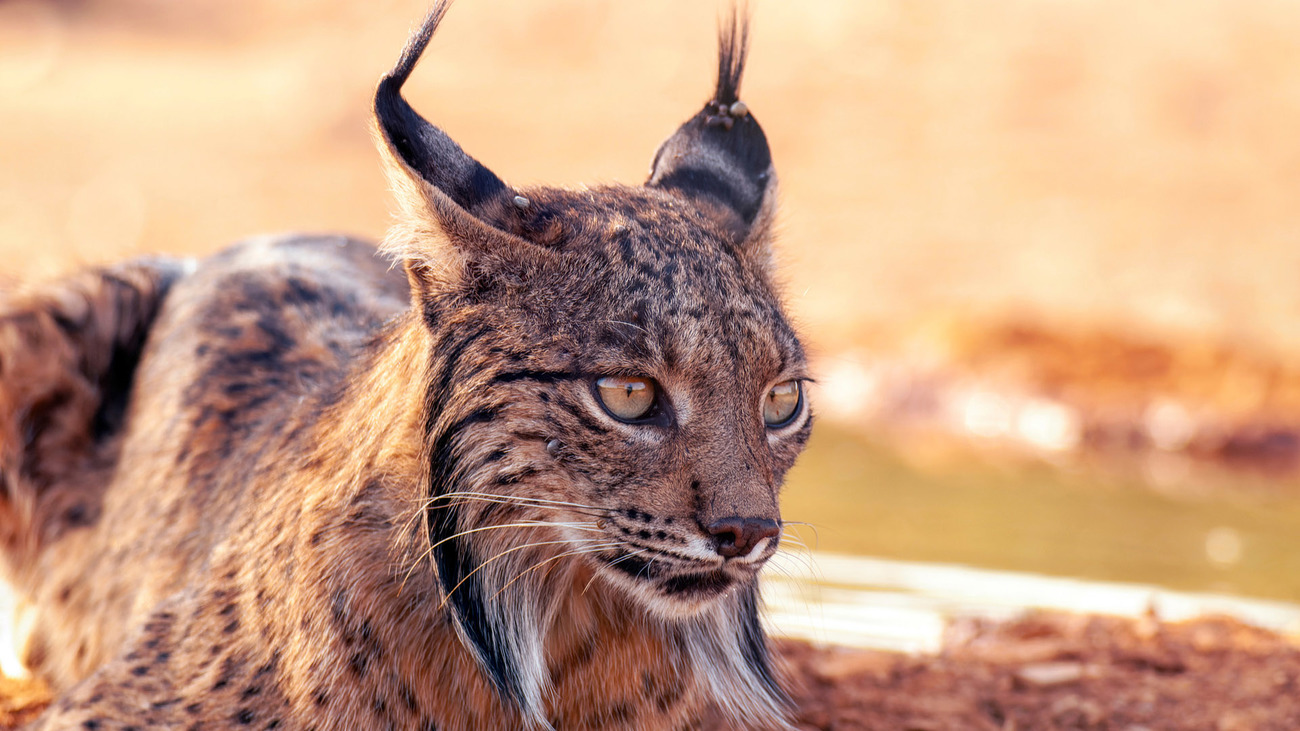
(359, 662)
(79, 516)
(269, 666)
(245, 716)
(407, 695)
(228, 667)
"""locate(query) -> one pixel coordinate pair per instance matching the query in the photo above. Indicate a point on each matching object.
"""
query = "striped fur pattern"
(294, 486)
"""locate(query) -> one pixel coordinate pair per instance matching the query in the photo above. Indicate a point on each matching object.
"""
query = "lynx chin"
(518, 467)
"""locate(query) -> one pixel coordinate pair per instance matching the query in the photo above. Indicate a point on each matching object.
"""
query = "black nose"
(737, 536)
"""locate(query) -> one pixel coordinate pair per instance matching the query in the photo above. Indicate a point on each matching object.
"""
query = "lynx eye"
(782, 403)
(626, 398)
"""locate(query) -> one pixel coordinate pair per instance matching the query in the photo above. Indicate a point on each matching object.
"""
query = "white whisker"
(497, 557)
(585, 549)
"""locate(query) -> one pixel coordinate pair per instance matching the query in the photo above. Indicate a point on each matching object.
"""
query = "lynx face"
(616, 394)
(635, 377)
(652, 377)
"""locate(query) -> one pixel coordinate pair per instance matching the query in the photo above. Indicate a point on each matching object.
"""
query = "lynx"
(517, 468)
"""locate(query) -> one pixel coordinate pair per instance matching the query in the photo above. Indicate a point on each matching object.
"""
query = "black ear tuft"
(733, 48)
(720, 157)
(423, 148)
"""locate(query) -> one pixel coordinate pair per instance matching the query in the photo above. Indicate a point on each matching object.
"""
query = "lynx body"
(525, 478)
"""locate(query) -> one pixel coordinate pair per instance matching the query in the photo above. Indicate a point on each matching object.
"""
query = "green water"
(866, 500)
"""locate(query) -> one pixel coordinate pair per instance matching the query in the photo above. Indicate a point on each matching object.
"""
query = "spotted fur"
(293, 486)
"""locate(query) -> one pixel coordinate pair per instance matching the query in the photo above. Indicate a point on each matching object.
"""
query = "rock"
(1047, 674)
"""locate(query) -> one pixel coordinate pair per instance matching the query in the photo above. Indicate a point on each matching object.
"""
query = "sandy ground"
(1099, 162)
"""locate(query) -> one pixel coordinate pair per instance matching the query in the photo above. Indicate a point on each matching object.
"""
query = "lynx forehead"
(530, 483)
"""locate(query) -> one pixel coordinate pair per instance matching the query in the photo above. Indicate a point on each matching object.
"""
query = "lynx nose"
(736, 536)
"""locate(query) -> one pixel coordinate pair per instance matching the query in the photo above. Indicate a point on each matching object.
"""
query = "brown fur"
(297, 489)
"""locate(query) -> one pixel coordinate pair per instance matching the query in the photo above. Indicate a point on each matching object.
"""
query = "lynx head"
(615, 393)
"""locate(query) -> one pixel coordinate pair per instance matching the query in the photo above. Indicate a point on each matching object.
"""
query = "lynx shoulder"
(527, 478)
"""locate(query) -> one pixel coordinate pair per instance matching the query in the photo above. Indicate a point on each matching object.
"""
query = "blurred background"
(1046, 253)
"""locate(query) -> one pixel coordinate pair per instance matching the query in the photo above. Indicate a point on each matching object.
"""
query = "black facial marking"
(698, 585)
(534, 375)
(633, 566)
(754, 644)
(456, 567)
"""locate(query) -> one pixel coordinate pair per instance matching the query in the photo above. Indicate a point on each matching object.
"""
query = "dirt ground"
(1059, 672)
(1041, 672)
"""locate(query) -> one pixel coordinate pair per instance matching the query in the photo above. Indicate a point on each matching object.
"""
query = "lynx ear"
(719, 158)
(449, 200)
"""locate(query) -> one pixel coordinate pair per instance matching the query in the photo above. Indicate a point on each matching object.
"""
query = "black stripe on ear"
(721, 154)
(422, 147)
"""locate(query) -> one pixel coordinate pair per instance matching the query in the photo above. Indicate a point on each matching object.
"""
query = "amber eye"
(782, 403)
(626, 398)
